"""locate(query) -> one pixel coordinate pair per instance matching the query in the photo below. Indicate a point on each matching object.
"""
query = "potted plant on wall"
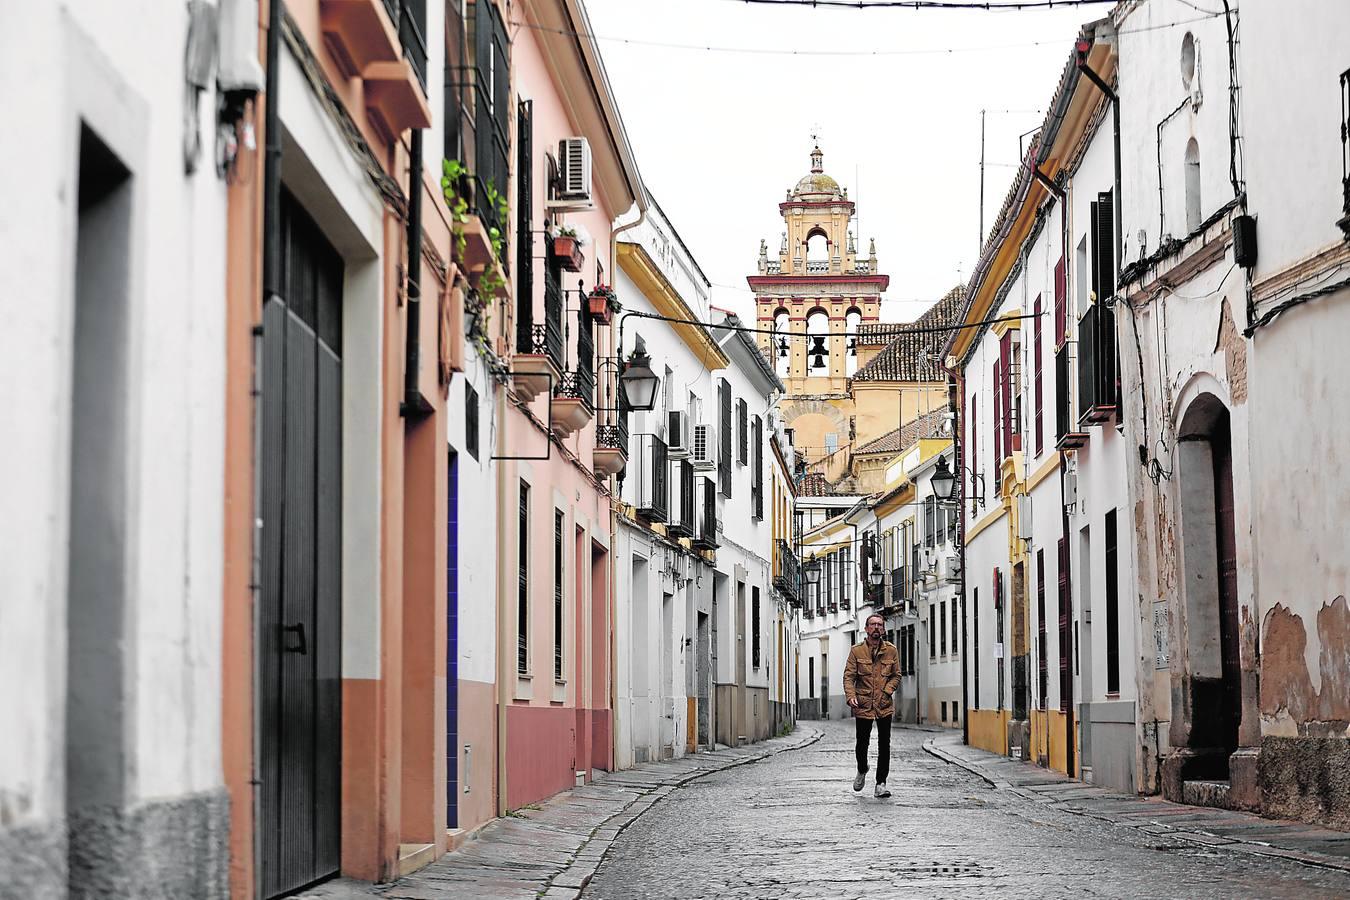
(603, 304)
(567, 248)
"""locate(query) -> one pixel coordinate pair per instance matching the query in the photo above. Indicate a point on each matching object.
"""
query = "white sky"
(719, 136)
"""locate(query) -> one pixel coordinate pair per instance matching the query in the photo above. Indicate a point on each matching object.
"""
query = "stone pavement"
(1204, 826)
(551, 849)
(791, 826)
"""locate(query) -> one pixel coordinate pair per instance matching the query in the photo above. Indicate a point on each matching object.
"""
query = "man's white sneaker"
(881, 789)
(858, 782)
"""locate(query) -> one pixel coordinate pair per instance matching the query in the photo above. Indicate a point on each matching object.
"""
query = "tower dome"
(817, 183)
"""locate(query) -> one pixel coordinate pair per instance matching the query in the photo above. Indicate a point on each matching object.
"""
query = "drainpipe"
(271, 266)
(1082, 48)
(615, 497)
(414, 405)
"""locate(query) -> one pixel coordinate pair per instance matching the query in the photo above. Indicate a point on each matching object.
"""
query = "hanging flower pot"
(601, 302)
(567, 249)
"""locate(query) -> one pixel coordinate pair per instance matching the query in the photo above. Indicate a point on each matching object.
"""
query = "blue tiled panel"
(452, 649)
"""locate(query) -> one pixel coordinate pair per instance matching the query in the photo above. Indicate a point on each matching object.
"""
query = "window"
(943, 706)
(974, 452)
(846, 577)
(1112, 608)
(932, 634)
(470, 419)
(954, 628)
(1038, 404)
(929, 520)
(942, 626)
(975, 657)
(811, 677)
(1061, 310)
(559, 520)
(754, 626)
(724, 421)
(1043, 666)
(742, 429)
(1192, 186)
(524, 222)
(523, 582)
(831, 442)
(757, 465)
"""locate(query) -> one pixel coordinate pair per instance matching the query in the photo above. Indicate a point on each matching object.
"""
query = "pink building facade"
(557, 434)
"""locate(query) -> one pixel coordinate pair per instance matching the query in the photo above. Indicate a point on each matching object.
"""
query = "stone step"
(1213, 793)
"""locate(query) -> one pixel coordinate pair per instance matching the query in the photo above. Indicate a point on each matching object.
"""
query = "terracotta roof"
(913, 355)
(813, 484)
(927, 425)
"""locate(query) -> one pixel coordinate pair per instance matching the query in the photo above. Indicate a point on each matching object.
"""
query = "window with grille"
(558, 522)
(470, 419)
(523, 582)
(742, 418)
(757, 464)
(754, 626)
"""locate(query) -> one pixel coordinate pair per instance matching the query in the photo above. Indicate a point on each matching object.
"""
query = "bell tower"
(814, 294)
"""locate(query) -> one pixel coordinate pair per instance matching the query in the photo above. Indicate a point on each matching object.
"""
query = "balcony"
(396, 90)
(681, 522)
(358, 33)
(611, 450)
(477, 121)
(1067, 435)
(707, 523)
(574, 396)
(1098, 378)
(539, 347)
(1344, 221)
(650, 478)
(787, 575)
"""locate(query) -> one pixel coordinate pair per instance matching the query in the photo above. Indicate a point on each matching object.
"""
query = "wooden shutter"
(1104, 247)
(1038, 403)
(1005, 367)
(1061, 312)
(742, 431)
(724, 419)
(995, 409)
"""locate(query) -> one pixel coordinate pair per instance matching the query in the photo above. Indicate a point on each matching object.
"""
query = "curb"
(572, 879)
(1194, 836)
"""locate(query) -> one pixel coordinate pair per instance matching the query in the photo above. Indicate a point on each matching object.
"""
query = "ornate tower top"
(817, 165)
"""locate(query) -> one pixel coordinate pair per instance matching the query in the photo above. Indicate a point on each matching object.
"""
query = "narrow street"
(791, 826)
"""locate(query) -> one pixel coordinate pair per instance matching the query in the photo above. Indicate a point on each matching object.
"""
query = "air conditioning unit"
(705, 446)
(949, 569)
(574, 163)
(1024, 516)
(1070, 488)
(677, 434)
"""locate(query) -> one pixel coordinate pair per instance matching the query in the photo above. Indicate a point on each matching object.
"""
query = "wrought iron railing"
(1344, 222)
(611, 435)
(579, 379)
(477, 108)
(787, 576)
(651, 477)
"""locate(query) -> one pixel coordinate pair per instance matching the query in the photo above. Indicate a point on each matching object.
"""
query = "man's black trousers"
(864, 727)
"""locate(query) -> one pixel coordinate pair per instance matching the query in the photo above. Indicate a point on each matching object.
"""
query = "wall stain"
(1285, 682)
(1234, 348)
(1333, 632)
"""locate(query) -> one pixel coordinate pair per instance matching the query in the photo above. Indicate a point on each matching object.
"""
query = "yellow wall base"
(989, 730)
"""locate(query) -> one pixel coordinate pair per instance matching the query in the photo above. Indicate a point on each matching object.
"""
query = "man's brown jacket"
(871, 679)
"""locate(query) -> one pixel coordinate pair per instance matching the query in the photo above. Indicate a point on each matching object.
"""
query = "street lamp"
(638, 381)
(876, 576)
(811, 569)
(944, 480)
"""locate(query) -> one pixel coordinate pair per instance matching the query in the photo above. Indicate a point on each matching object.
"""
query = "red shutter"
(975, 432)
(995, 417)
(1061, 289)
(1006, 390)
(1036, 376)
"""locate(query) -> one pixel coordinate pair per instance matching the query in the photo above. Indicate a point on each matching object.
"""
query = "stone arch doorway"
(1209, 675)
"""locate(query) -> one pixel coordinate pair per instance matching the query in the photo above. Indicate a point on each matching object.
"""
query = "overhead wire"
(849, 52)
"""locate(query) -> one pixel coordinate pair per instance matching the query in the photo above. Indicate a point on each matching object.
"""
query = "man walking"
(871, 676)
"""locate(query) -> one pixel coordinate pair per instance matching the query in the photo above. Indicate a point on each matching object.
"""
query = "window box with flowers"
(603, 304)
(567, 249)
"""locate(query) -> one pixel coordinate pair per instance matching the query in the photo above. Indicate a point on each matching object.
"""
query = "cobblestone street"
(791, 826)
